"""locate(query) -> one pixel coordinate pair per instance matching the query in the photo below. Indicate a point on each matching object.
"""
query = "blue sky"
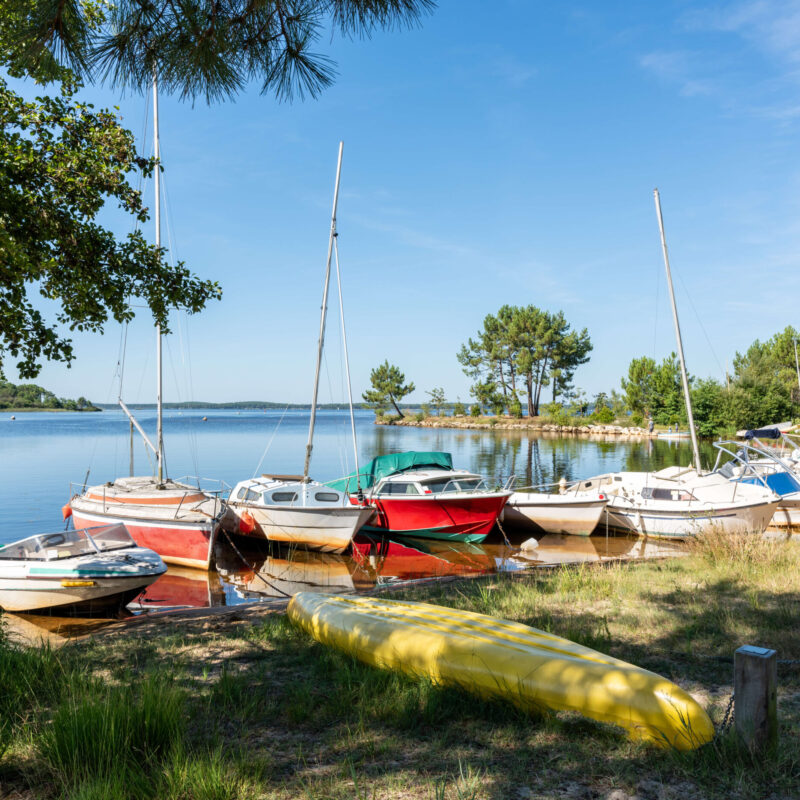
(503, 152)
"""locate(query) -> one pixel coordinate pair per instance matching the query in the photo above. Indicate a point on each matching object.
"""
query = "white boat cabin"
(286, 490)
(430, 481)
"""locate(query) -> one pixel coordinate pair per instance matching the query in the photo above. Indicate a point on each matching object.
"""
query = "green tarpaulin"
(391, 464)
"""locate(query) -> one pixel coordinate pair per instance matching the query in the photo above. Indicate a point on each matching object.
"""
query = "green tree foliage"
(29, 395)
(60, 161)
(523, 345)
(437, 400)
(388, 387)
(458, 409)
(655, 389)
(638, 386)
(199, 48)
(710, 407)
(764, 382)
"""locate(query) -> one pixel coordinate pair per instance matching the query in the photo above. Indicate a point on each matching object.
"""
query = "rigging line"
(655, 315)
(186, 364)
(121, 358)
(269, 443)
(700, 321)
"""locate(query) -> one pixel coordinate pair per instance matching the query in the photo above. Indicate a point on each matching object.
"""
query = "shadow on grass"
(269, 713)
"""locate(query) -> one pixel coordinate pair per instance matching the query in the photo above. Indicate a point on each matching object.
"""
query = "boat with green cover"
(418, 493)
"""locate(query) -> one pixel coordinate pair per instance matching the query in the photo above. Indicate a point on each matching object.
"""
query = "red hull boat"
(177, 521)
(420, 494)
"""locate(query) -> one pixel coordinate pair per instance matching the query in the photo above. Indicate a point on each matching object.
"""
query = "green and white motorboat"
(85, 571)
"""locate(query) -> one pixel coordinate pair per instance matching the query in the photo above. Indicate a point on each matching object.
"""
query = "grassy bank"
(242, 708)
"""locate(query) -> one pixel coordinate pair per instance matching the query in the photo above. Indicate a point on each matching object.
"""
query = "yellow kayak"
(497, 658)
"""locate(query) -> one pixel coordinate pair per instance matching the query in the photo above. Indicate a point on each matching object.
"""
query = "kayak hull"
(496, 658)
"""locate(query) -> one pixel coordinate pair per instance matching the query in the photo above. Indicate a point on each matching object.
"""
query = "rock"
(650, 790)
(617, 794)
(524, 792)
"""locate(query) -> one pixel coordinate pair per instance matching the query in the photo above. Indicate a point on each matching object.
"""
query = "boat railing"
(741, 456)
(207, 485)
(563, 486)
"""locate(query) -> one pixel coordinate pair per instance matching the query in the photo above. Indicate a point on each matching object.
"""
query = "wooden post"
(755, 687)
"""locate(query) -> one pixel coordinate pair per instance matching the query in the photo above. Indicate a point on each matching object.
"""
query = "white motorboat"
(754, 462)
(77, 571)
(293, 511)
(680, 503)
(573, 514)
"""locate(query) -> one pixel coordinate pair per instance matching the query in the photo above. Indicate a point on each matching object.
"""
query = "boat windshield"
(444, 485)
(67, 544)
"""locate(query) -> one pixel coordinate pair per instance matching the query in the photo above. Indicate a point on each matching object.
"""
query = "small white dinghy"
(84, 571)
(574, 514)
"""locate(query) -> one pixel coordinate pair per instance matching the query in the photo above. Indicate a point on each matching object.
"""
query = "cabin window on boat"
(399, 488)
(252, 497)
(242, 492)
(283, 497)
(651, 493)
(327, 497)
(452, 485)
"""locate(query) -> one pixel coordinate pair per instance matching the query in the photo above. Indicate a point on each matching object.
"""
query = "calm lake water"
(41, 453)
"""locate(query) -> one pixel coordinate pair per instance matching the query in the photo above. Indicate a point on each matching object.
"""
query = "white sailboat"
(177, 520)
(294, 509)
(678, 502)
(682, 502)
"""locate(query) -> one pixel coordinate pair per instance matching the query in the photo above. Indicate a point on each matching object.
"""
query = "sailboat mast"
(323, 315)
(796, 364)
(159, 376)
(684, 376)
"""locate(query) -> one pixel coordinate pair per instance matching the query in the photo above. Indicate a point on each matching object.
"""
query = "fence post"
(755, 687)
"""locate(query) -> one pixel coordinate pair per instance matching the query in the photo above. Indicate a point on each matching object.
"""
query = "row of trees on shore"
(522, 350)
(29, 395)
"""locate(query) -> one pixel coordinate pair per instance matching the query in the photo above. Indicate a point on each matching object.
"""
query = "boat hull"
(555, 513)
(186, 544)
(497, 658)
(326, 530)
(86, 584)
(456, 519)
(671, 524)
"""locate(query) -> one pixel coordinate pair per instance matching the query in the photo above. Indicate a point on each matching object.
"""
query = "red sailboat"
(177, 520)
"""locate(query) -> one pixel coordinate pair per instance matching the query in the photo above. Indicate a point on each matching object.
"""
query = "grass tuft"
(103, 733)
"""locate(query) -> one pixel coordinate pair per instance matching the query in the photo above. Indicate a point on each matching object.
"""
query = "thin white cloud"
(677, 67)
(512, 71)
(773, 26)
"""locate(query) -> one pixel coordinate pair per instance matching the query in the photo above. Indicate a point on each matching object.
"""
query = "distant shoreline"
(506, 424)
(37, 410)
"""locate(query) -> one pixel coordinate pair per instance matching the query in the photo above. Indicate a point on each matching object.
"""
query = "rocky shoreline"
(511, 424)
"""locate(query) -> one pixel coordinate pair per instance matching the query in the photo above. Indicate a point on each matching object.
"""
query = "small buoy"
(247, 523)
(66, 511)
(205, 419)
(13, 417)
(529, 544)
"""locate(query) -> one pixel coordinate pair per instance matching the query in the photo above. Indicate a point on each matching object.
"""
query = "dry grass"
(270, 713)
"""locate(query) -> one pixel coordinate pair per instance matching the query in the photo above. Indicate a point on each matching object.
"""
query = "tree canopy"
(60, 162)
(198, 48)
(526, 346)
(388, 387)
